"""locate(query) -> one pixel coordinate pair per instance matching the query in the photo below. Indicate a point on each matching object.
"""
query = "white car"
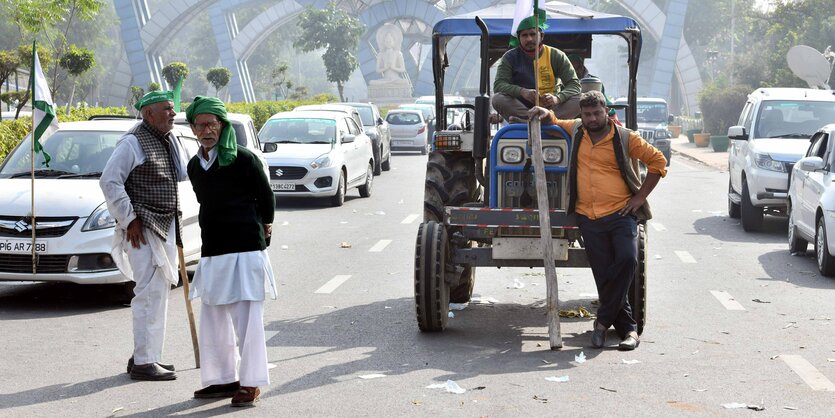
(317, 154)
(74, 232)
(812, 200)
(408, 130)
(772, 134)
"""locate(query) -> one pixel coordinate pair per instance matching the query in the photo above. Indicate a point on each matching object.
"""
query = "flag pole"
(536, 51)
(32, 94)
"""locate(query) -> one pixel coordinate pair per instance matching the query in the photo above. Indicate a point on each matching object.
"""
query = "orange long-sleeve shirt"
(601, 189)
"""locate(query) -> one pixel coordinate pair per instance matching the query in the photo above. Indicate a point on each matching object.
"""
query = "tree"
(299, 93)
(76, 61)
(9, 61)
(338, 32)
(219, 77)
(153, 86)
(136, 94)
(173, 72)
(24, 53)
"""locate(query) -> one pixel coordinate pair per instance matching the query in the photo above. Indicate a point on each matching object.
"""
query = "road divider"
(727, 300)
(685, 257)
(409, 219)
(815, 379)
(380, 245)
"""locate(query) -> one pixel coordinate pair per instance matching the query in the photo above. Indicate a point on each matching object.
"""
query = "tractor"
(479, 196)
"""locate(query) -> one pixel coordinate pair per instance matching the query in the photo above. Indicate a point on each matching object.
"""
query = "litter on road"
(560, 379)
(580, 358)
(450, 387)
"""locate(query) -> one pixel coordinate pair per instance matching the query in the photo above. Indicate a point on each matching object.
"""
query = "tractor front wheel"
(431, 290)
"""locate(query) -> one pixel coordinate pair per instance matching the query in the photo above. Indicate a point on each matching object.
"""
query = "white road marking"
(380, 245)
(815, 379)
(727, 300)
(332, 284)
(268, 335)
(409, 219)
(685, 257)
(658, 227)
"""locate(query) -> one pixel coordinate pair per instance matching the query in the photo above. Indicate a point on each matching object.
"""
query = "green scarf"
(227, 143)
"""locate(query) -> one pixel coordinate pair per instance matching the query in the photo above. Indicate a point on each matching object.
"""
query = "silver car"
(409, 130)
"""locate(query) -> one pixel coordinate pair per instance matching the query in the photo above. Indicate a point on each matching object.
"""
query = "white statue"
(390, 63)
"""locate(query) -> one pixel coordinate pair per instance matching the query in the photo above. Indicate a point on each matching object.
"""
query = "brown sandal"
(246, 396)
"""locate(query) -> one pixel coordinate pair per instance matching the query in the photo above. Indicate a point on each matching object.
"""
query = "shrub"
(721, 105)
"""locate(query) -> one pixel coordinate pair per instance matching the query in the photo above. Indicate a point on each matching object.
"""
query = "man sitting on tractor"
(607, 196)
(515, 87)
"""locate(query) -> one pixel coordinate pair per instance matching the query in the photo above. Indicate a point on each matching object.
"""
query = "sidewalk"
(683, 148)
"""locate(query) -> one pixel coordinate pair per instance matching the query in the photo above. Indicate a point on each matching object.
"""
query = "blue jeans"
(611, 244)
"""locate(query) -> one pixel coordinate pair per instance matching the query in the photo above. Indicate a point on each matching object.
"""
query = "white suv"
(773, 133)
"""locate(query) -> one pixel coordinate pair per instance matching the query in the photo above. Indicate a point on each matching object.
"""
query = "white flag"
(43, 111)
(524, 8)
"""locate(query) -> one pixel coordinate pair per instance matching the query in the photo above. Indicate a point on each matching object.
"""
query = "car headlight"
(512, 155)
(322, 161)
(552, 155)
(99, 219)
(765, 162)
(662, 134)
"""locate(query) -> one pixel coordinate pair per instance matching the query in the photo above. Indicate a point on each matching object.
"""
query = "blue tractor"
(479, 198)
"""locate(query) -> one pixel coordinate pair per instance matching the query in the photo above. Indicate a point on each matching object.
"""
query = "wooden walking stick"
(189, 311)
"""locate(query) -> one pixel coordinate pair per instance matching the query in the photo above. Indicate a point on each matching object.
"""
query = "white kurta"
(153, 266)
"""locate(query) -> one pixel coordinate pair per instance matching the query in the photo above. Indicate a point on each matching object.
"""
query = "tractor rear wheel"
(431, 288)
(638, 290)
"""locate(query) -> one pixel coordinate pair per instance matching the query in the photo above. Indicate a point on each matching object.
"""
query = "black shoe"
(151, 371)
(169, 367)
(630, 343)
(226, 390)
(598, 336)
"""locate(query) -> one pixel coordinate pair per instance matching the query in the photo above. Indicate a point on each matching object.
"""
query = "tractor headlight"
(552, 155)
(512, 155)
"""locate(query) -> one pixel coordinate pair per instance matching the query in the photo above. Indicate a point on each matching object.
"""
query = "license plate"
(283, 186)
(403, 142)
(21, 246)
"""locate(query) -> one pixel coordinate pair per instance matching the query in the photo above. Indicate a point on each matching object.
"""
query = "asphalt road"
(733, 318)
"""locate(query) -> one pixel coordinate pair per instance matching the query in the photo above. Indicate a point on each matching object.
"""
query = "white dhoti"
(153, 268)
(232, 291)
(220, 327)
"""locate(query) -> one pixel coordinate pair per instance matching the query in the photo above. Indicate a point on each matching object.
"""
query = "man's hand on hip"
(134, 233)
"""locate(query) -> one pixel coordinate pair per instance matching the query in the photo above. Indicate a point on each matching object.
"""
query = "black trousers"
(611, 244)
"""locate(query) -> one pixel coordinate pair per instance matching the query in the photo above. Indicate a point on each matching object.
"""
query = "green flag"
(43, 111)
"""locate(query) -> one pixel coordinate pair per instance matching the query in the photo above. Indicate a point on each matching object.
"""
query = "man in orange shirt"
(609, 199)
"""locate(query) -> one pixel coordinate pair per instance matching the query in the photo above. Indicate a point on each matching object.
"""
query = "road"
(733, 318)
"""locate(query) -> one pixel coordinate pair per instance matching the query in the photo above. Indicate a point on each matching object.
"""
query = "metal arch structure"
(141, 63)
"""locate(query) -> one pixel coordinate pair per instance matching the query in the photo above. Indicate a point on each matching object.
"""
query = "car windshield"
(404, 118)
(299, 131)
(72, 153)
(427, 111)
(366, 116)
(652, 112)
(792, 118)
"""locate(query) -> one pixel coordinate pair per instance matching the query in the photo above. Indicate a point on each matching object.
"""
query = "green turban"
(529, 23)
(227, 143)
(153, 97)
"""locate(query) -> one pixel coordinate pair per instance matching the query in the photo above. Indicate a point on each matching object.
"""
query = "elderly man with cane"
(237, 207)
(139, 183)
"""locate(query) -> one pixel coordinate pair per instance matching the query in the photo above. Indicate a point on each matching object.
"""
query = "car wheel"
(378, 159)
(797, 245)
(423, 150)
(365, 189)
(752, 216)
(733, 208)
(826, 263)
(339, 198)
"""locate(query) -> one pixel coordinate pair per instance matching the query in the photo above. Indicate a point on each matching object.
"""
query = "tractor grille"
(511, 190)
(22, 263)
(287, 172)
